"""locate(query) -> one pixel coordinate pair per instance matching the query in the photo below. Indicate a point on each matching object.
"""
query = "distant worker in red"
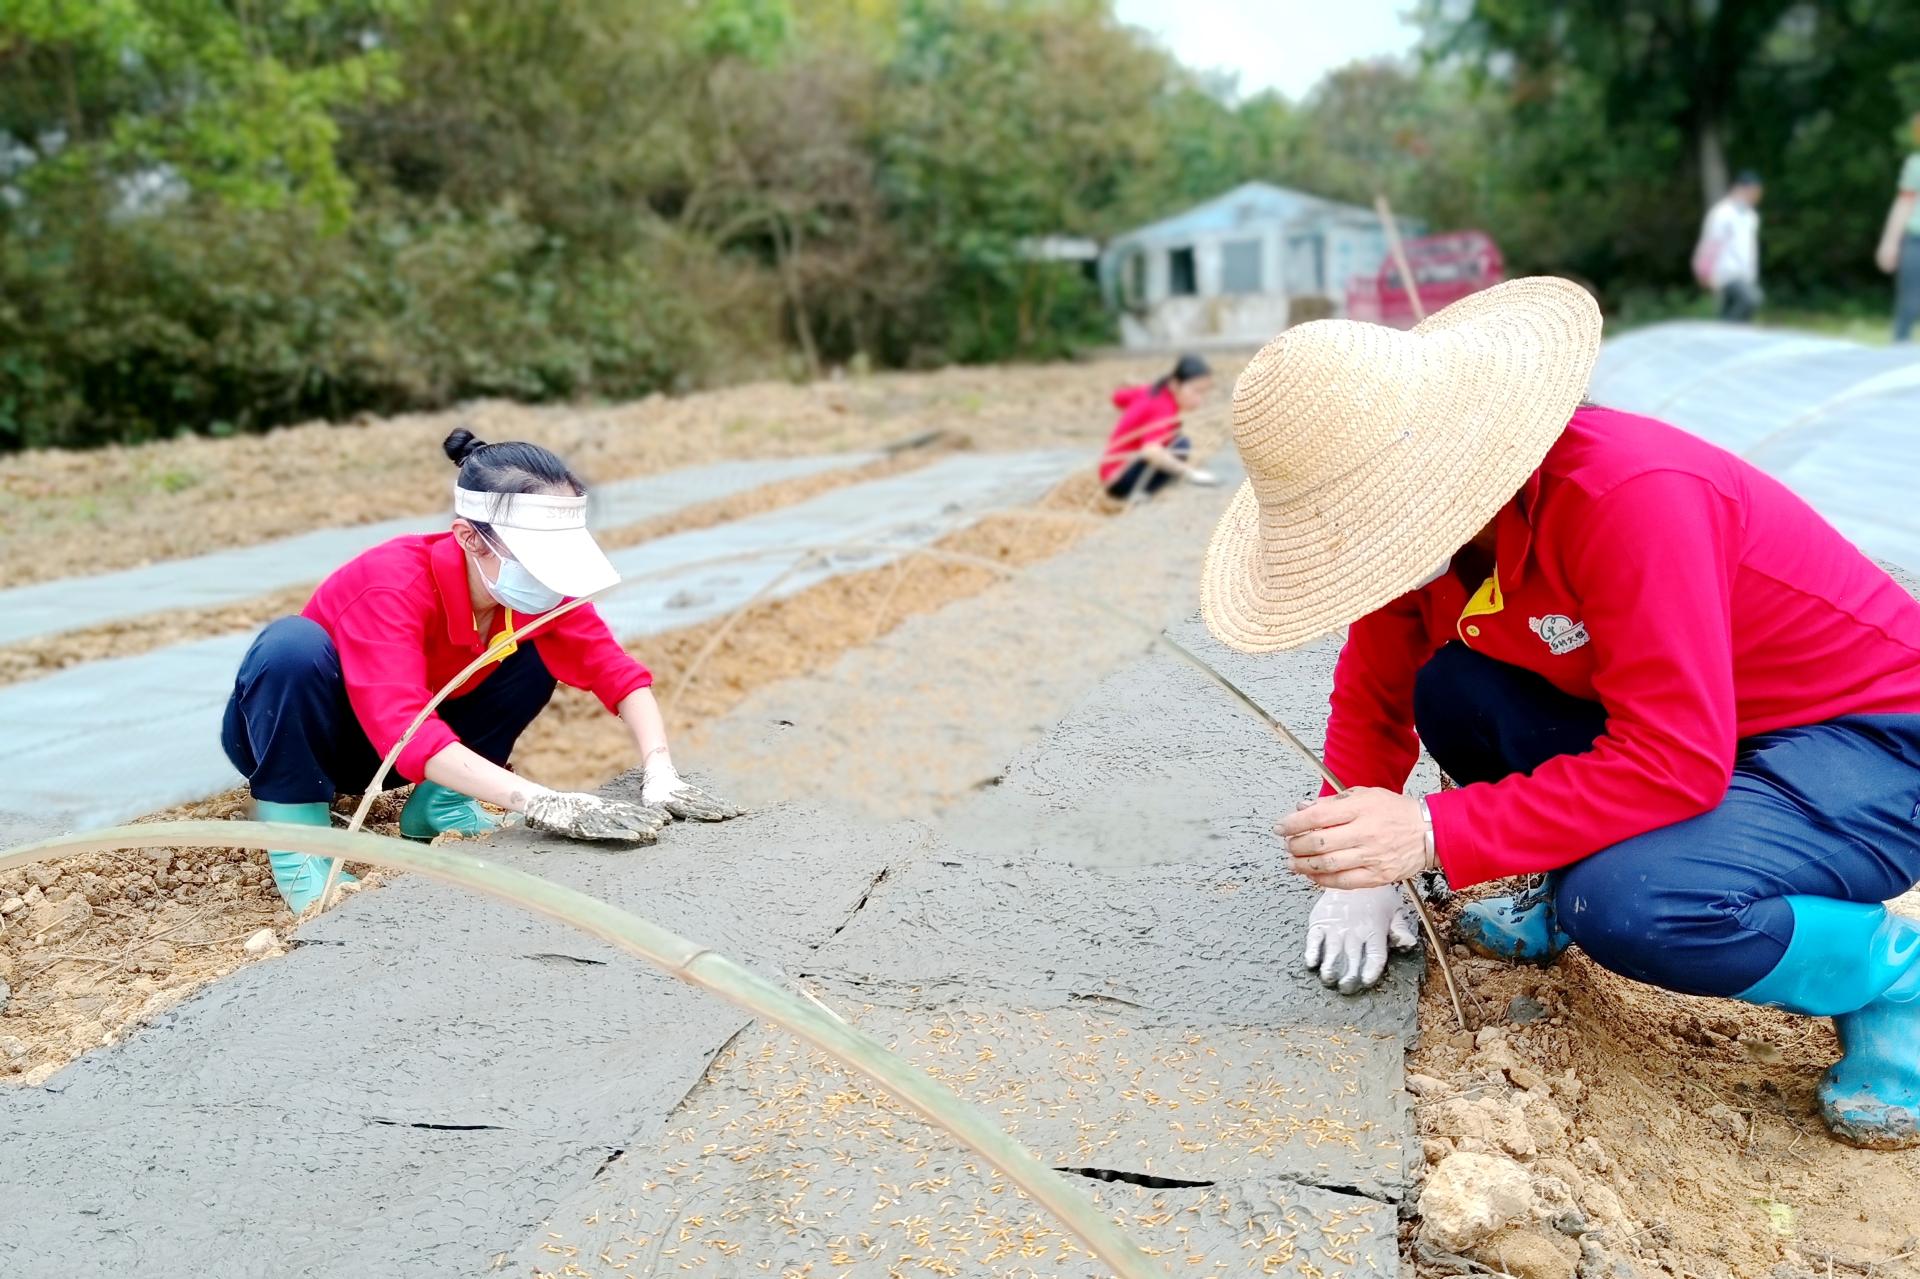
(321, 698)
(1147, 450)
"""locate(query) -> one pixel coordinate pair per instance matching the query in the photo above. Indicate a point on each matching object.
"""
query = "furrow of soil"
(46, 654)
(70, 513)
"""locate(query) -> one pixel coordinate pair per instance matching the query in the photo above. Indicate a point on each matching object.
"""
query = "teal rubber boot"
(1860, 965)
(1523, 928)
(434, 809)
(300, 877)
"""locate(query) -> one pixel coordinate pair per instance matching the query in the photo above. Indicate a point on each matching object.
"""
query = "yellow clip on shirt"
(494, 646)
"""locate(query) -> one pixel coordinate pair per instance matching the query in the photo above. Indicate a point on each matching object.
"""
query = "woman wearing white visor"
(322, 697)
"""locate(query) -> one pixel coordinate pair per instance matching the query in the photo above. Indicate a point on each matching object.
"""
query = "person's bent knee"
(291, 649)
(1622, 931)
(1444, 683)
(1446, 705)
(1618, 909)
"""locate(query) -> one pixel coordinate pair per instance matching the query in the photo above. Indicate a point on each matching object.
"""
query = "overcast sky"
(1275, 44)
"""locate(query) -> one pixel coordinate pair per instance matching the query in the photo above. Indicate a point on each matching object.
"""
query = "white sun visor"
(547, 533)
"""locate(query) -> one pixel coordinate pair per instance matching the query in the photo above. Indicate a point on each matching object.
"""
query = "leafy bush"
(221, 217)
(234, 319)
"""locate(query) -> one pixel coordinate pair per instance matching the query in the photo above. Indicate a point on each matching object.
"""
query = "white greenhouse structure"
(1836, 421)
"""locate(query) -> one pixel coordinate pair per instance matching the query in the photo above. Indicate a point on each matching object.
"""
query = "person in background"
(1727, 258)
(322, 697)
(1147, 451)
(1899, 253)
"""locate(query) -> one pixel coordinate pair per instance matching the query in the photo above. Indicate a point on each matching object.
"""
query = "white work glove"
(1352, 930)
(665, 788)
(578, 815)
(1205, 479)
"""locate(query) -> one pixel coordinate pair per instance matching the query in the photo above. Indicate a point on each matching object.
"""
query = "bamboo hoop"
(679, 957)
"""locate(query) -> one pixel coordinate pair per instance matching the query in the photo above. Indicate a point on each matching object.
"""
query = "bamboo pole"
(1326, 774)
(1399, 252)
(681, 958)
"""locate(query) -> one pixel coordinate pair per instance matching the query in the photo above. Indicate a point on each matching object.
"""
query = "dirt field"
(47, 654)
(1683, 1131)
(67, 513)
(93, 946)
(1678, 1135)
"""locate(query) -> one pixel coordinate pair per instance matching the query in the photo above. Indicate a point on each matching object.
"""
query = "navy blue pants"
(1825, 810)
(1140, 472)
(290, 730)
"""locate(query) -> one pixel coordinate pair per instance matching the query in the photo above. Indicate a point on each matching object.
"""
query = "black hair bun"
(462, 444)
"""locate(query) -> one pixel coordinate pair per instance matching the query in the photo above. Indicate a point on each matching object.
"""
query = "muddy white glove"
(666, 789)
(1352, 931)
(578, 815)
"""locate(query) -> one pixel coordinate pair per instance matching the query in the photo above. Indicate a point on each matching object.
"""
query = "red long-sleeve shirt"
(1147, 417)
(401, 618)
(1690, 594)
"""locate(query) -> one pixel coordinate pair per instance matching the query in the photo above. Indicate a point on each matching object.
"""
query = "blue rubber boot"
(1522, 928)
(1860, 965)
(434, 809)
(300, 877)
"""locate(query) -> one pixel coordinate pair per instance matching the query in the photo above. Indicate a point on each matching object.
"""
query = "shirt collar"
(449, 565)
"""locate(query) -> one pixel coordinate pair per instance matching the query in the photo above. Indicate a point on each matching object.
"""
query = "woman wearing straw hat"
(321, 698)
(1658, 676)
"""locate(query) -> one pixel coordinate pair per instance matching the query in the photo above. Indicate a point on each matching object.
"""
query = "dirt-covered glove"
(578, 815)
(669, 790)
(1352, 931)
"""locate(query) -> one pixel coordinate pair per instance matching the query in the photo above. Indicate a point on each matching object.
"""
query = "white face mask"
(1436, 575)
(519, 590)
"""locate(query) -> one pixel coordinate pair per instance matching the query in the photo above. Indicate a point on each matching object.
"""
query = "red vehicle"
(1445, 267)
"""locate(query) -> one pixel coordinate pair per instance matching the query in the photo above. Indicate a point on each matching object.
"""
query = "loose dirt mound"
(1661, 1134)
(49, 653)
(96, 944)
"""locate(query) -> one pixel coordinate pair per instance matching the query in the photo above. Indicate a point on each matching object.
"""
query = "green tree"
(136, 101)
(1005, 121)
(1609, 101)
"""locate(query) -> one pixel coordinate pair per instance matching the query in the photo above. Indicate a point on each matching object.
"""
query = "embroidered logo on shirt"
(1561, 633)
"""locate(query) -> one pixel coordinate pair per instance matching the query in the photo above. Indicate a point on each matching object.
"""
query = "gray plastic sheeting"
(1128, 860)
(153, 720)
(1130, 1005)
(415, 1086)
(435, 1084)
(1833, 420)
(227, 577)
(869, 1196)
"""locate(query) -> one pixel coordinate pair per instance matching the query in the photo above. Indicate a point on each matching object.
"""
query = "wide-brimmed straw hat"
(1374, 454)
